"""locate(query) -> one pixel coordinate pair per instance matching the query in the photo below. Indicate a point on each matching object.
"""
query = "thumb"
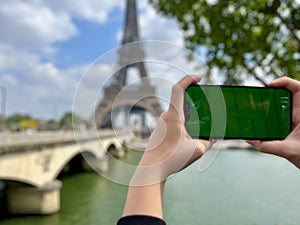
(201, 146)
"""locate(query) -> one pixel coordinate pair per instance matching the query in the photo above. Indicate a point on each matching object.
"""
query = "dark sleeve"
(140, 220)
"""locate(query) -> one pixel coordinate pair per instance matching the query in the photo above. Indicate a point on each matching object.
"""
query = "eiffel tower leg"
(120, 77)
(143, 74)
(143, 119)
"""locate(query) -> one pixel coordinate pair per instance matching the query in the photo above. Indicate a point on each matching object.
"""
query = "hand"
(288, 148)
(170, 149)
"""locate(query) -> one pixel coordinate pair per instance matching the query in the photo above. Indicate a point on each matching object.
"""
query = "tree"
(15, 119)
(243, 39)
(21, 122)
(67, 120)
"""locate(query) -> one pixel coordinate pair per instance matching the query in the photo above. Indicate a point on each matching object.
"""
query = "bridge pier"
(116, 152)
(23, 199)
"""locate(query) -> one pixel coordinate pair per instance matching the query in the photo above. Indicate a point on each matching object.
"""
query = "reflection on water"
(240, 187)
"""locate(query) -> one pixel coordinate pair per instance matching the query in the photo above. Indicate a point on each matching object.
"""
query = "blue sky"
(93, 40)
(47, 45)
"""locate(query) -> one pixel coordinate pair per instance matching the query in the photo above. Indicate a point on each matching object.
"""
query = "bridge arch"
(18, 181)
(41, 167)
(76, 163)
(38, 165)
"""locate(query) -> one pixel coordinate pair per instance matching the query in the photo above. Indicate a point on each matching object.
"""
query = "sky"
(46, 47)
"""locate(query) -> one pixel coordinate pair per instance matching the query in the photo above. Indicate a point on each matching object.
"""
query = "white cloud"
(33, 84)
(8, 80)
(89, 90)
(36, 87)
(32, 25)
(7, 60)
(154, 27)
(93, 10)
(29, 30)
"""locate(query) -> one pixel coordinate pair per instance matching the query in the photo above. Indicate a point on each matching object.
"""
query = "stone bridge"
(30, 163)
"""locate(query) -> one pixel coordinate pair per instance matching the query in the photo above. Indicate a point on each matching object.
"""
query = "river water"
(240, 187)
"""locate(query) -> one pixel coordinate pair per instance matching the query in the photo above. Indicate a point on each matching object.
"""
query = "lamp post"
(3, 104)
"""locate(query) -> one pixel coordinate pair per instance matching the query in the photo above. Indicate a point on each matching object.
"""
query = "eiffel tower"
(138, 100)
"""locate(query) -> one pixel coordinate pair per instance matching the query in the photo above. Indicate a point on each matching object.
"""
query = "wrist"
(152, 167)
(145, 200)
(148, 174)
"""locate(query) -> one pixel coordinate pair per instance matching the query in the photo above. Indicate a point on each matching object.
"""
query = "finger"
(177, 95)
(188, 80)
(286, 82)
(294, 87)
(270, 147)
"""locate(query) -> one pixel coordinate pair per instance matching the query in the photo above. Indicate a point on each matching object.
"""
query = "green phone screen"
(237, 112)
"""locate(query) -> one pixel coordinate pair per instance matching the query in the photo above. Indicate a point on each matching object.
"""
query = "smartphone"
(237, 112)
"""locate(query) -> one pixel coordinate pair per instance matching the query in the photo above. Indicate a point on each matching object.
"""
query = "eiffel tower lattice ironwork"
(130, 55)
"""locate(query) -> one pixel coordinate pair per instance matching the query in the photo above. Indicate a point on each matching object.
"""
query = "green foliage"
(68, 119)
(242, 38)
(15, 119)
(21, 122)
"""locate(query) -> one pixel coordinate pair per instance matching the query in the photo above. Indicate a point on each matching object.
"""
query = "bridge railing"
(11, 142)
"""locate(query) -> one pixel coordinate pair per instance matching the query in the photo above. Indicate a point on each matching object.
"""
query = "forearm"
(170, 149)
(145, 200)
(146, 188)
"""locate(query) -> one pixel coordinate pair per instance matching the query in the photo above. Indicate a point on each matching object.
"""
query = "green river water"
(240, 187)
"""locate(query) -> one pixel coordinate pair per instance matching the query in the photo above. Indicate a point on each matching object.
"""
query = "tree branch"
(290, 28)
(251, 71)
